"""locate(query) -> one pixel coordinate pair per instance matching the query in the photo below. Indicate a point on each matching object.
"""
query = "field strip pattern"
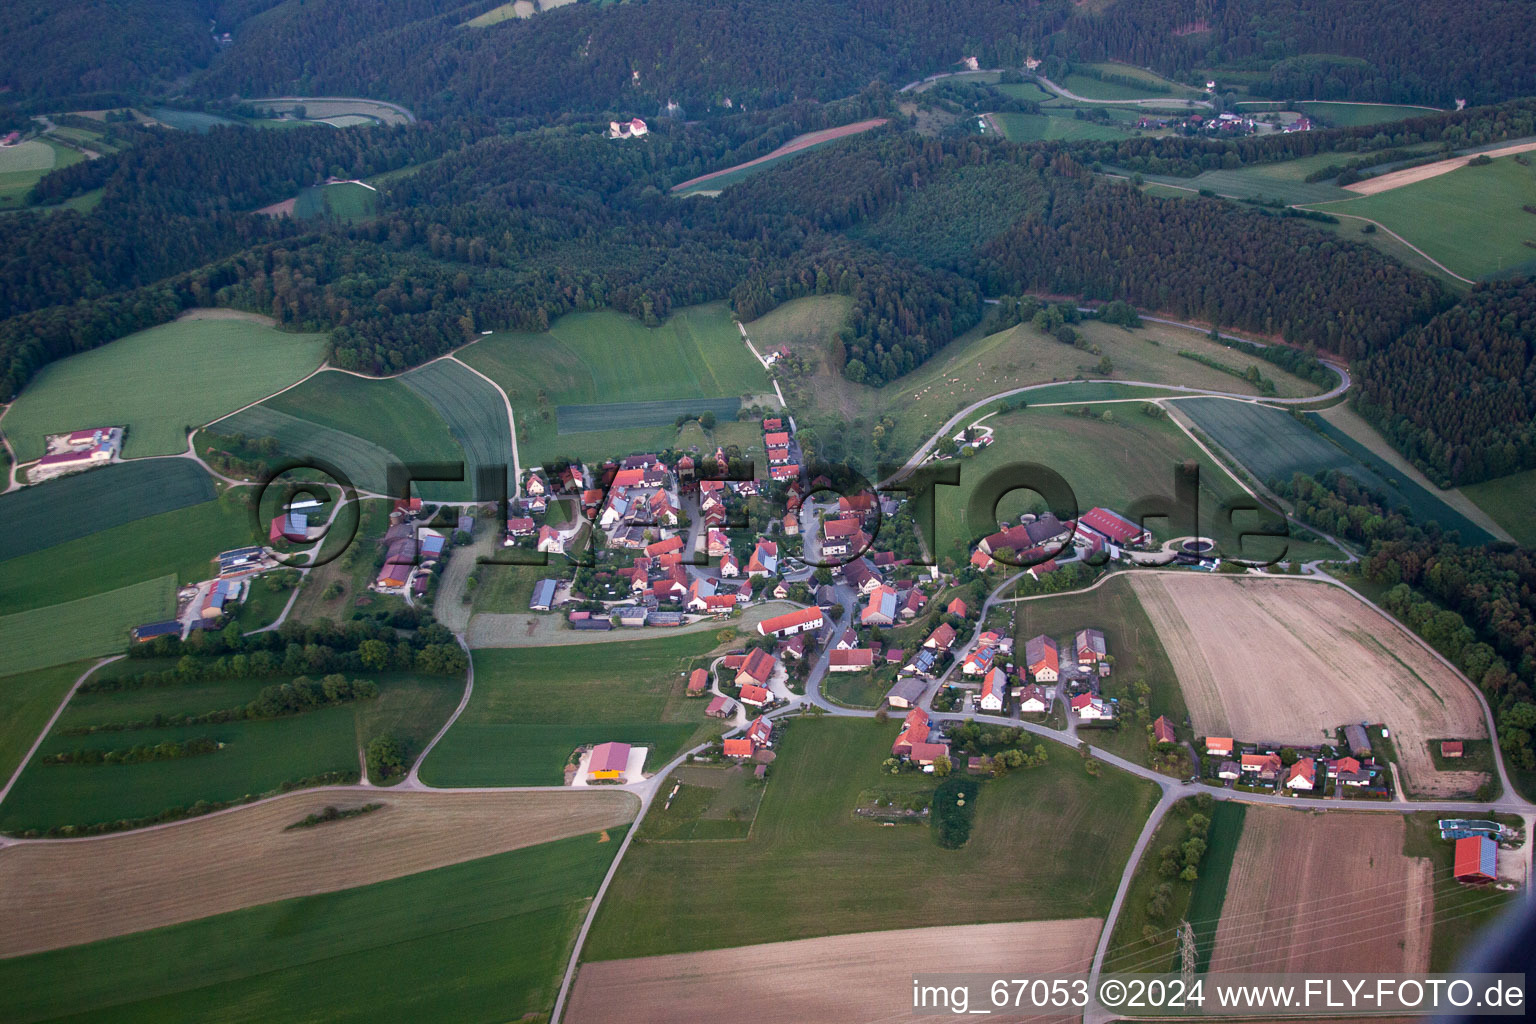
(88, 626)
(475, 411)
(1278, 661)
(864, 977)
(1342, 862)
(363, 461)
(575, 419)
(98, 500)
(51, 892)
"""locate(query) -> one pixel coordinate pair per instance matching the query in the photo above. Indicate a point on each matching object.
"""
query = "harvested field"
(1288, 661)
(57, 894)
(1410, 175)
(1362, 894)
(848, 978)
(794, 145)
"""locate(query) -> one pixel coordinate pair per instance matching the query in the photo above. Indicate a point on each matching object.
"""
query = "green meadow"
(1039, 127)
(93, 625)
(813, 867)
(532, 706)
(159, 382)
(484, 940)
(22, 166)
(474, 410)
(1511, 501)
(27, 699)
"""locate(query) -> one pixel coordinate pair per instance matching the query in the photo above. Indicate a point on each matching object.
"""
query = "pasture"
(98, 500)
(182, 542)
(21, 167)
(812, 866)
(1361, 893)
(980, 363)
(1470, 219)
(1511, 502)
(218, 864)
(1131, 640)
(1272, 445)
(841, 977)
(27, 699)
(85, 627)
(257, 756)
(532, 707)
(344, 201)
(602, 358)
(1351, 115)
(159, 382)
(1093, 88)
(473, 409)
(1285, 681)
(1038, 127)
(487, 939)
(710, 803)
(1262, 182)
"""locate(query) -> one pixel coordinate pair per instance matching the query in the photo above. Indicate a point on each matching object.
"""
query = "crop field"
(595, 359)
(98, 500)
(22, 166)
(1272, 445)
(841, 977)
(1470, 219)
(345, 201)
(365, 464)
(1350, 115)
(574, 419)
(26, 701)
(532, 707)
(159, 382)
(257, 756)
(474, 410)
(1362, 894)
(1511, 501)
(1037, 127)
(1116, 463)
(978, 364)
(218, 864)
(88, 626)
(487, 939)
(1130, 638)
(182, 542)
(1260, 660)
(812, 866)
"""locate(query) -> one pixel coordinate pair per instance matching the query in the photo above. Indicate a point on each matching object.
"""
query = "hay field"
(159, 381)
(1361, 894)
(32, 155)
(850, 978)
(52, 894)
(1287, 661)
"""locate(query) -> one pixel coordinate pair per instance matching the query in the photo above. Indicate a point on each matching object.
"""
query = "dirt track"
(866, 977)
(1407, 176)
(1307, 887)
(1287, 661)
(794, 145)
(60, 894)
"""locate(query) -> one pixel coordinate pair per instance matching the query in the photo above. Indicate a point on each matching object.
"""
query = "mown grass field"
(711, 803)
(182, 543)
(1263, 182)
(1511, 501)
(159, 382)
(1038, 127)
(474, 411)
(1131, 640)
(594, 359)
(980, 363)
(88, 626)
(22, 166)
(26, 701)
(1350, 115)
(1116, 463)
(98, 500)
(1470, 219)
(344, 201)
(1097, 89)
(484, 940)
(1274, 446)
(532, 706)
(258, 756)
(812, 867)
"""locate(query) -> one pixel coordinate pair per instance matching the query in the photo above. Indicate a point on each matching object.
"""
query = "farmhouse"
(760, 732)
(1227, 770)
(738, 748)
(393, 576)
(698, 682)
(1162, 731)
(994, 691)
(1032, 699)
(1302, 775)
(941, 637)
(906, 693)
(1113, 527)
(1090, 647)
(791, 623)
(881, 609)
(718, 544)
(1476, 860)
(1091, 709)
(912, 603)
(979, 661)
(755, 668)
(1044, 530)
(1218, 746)
(519, 526)
(1265, 767)
(1042, 659)
(755, 695)
(608, 761)
(719, 707)
(914, 732)
(1358, 741)
(858, 660)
